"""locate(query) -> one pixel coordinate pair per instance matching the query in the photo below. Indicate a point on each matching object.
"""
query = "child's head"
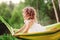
(29, 13)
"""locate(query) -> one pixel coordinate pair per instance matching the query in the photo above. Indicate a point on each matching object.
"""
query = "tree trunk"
(56, 14)
(59, 4)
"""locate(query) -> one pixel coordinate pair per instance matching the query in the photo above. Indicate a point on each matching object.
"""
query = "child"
(31, 25)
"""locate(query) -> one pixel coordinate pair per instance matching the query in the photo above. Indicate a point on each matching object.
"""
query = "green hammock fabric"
(48, 35)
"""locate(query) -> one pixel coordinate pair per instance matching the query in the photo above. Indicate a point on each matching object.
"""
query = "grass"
(8, 37)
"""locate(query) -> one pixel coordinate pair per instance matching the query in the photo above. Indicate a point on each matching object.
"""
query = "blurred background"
(11, 11)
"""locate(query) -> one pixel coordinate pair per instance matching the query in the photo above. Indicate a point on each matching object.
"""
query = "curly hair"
(29, 12)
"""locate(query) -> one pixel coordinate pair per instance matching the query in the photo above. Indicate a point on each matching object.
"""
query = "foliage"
(13, 15)
(7, 37)
(45, 12)
(17, 18)
(4, 11)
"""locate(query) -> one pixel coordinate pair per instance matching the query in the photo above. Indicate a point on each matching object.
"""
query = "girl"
(31, 25)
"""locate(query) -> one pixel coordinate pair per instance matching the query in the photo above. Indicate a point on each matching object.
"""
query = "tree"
(56, 14)
(5, 11)
(45, 10)
(16, 20)
(41, 9)
(11, 5)
(59, 4)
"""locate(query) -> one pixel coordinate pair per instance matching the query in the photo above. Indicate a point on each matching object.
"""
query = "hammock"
(48, 35)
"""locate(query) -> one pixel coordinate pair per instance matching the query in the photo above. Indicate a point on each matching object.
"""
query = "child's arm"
(27, 26)
(20, 30)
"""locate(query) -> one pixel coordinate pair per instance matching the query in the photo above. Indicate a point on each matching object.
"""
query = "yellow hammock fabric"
(48, 35)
